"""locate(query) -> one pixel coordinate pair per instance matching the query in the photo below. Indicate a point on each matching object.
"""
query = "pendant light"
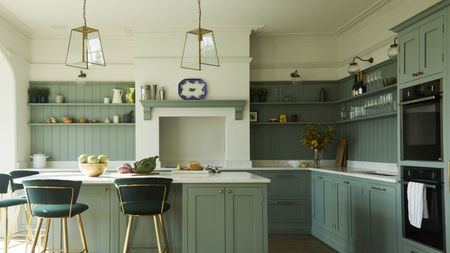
(353, 67)
(393, 49)
(199, 47)
(85, 47)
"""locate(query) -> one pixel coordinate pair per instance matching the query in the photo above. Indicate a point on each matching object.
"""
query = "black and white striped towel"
(417, 204)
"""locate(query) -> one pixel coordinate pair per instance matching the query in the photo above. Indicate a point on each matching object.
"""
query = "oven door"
(421, 124)
(432, 231)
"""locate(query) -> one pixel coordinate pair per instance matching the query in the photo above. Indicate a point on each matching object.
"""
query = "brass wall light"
(85, 46)
(82, 78)
(393, 49)
(353, 67)
(295, 78)
(199, 47)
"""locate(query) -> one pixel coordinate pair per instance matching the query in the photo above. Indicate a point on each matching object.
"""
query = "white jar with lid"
(39, 160)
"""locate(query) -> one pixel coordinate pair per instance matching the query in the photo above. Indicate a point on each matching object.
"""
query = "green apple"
(103, 158)
(83, 158)
(92, 159)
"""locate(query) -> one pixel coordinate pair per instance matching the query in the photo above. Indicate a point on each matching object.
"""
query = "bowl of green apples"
(93, 165)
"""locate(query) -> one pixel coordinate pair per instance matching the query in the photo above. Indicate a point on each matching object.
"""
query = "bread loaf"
(195, 166)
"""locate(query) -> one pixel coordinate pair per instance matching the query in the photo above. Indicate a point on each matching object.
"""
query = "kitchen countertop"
(178, 178)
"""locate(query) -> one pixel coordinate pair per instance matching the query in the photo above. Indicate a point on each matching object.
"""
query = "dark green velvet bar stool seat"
(145, 197)
(55, 199)
(22, 209)
(5, 204)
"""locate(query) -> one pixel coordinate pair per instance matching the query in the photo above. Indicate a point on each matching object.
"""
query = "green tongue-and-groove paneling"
(67, 142)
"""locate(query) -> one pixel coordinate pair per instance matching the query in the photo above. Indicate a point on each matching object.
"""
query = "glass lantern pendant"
(199, 47)
(85, 46)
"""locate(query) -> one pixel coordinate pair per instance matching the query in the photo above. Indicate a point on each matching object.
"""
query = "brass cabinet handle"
(379, 189)
(420, 73)
(346, 182)
(220, 191)
(229, 191)
(415, 74)
(320, 177)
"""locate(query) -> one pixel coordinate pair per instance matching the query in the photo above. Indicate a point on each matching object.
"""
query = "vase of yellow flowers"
(316, 140)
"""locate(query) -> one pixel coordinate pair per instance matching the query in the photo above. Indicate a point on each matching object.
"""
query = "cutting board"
(342, 153)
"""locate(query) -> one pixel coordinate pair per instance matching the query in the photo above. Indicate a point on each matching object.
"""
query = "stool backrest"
(52, 192)
(4, 182)
(18, 174)
(150, 190)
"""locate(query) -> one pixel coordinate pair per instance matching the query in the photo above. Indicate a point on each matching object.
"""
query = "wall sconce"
(295, 78)
(393, 49)
(353, 67)
(82, 78)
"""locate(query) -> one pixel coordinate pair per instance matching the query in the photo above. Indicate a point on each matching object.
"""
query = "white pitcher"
(117, 96)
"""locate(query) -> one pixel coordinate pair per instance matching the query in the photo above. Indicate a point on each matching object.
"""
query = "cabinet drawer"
(288, 185)
(410, 249)
(289, 213)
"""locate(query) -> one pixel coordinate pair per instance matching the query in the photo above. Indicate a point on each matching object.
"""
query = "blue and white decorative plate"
(192, 89)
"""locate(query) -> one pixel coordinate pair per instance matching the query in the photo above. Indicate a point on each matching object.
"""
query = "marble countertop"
(178, 178)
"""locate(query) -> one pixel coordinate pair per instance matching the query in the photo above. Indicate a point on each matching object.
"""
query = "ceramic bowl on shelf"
(93, 169)
(294, 163)
(66, 120)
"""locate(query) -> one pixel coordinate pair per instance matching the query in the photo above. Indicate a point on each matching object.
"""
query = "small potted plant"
(43, 95)
(262, 94)
(33, 95)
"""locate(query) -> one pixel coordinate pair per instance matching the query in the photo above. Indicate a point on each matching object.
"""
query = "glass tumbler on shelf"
(343, 113)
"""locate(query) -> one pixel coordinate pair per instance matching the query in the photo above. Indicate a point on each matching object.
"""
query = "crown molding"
(16, 23)
(349, 24)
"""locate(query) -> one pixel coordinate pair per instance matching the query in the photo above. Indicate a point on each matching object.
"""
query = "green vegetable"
(83, 158)
(93, 159)
(146, 165)
(103, 158)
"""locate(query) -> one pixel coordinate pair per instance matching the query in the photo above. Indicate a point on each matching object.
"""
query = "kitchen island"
(219, 213)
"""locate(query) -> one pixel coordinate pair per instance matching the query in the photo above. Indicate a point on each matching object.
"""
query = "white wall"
(14, 131)
(327, 57)
(158, 61)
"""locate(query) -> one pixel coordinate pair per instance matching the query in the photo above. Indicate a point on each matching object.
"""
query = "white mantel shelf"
(238, 105)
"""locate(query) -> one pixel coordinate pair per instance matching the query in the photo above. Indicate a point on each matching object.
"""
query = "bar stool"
(16, 187)
(55, 199)
(145, 197)
(5, 203)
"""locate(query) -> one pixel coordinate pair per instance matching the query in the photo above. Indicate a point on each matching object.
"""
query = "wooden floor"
(297, 244)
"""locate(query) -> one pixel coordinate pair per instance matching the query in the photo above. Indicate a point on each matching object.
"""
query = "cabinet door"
(330, 204)
(432, 47)
(359, 216)
(318, 199)
(408, 57)
(343, 210)
(244, 220)
(382, 218)
(205, 220)
(96, 220)
(288, 185)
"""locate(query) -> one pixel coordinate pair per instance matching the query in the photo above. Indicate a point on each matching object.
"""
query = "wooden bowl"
(66, 120)
(93, 169)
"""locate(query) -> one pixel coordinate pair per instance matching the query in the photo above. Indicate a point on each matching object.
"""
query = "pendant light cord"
(84, 12)
(199, 16)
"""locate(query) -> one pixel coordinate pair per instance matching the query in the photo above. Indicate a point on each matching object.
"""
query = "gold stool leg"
(158, 238)
(16, 219)
(36, 235)
(65, 236)
(128, 235)
(6, 237)
(47, 230)
(83, 236)
(164, 232)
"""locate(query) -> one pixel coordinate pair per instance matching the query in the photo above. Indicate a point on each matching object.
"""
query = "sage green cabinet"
(354, 215)
(421, 49)
(382, 218)
(224, 219)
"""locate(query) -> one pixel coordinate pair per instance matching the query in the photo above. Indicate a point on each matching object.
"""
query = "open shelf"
(81, 124)
(289, 123)
(390, 114)
(294, 103)
(369, 93)
(79, 104)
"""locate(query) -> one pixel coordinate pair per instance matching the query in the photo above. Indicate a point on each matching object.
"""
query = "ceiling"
(36, 17)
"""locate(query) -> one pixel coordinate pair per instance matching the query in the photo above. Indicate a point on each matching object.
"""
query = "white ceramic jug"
(117, 96)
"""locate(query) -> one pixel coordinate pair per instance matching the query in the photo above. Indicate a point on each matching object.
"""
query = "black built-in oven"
(421, 122)
(432, 231)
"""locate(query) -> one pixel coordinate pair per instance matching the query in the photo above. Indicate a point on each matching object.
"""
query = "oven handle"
(426, 185)
(419, 100)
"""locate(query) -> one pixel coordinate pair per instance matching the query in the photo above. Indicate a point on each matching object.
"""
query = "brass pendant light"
(199, 47)
(85, 46)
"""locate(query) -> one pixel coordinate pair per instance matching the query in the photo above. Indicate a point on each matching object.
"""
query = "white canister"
(116, 119)
(39, 160)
